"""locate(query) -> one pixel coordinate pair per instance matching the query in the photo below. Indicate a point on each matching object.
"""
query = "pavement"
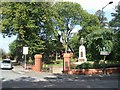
(31, 73)
(30, 78)
(43, 75)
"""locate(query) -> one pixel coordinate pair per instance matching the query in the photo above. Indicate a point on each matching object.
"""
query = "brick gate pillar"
(38, 63)
(66, 66)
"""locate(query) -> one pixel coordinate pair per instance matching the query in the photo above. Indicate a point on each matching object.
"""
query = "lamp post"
(103, 12)
(104, 52)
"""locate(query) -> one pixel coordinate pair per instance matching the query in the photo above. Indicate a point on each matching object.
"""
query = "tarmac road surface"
(30, 79)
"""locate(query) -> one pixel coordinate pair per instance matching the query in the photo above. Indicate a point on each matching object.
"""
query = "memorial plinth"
(82, 54)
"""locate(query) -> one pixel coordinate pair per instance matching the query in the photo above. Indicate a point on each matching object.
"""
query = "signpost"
(104, 53)
(25, 52)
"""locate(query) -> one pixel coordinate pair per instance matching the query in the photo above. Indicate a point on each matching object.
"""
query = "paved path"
(39, 75)
(49, 80)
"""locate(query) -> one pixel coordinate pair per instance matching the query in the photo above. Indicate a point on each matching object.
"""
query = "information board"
(104, 53)
(25, 50)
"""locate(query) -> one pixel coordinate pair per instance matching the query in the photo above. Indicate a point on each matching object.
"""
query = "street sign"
(25, 50)
(104, 53)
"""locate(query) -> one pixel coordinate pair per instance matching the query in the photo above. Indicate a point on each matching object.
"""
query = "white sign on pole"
(104, 53)
(25, 50)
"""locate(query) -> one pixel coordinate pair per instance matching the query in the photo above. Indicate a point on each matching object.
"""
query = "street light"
(104, 52)
(103, 12)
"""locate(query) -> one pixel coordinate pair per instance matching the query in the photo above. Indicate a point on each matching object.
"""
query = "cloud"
(96, 4)
(92, 6)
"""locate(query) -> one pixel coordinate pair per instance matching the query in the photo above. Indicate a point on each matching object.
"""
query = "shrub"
(57, 62)
(72, 66)
(30, 61)
(89, 57)
(97, 65)
(84, 66)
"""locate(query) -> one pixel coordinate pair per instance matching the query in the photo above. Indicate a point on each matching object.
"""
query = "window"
(5, 61)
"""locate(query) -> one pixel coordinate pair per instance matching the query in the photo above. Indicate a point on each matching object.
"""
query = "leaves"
(97, 40)
(115, 24)
(68, 16)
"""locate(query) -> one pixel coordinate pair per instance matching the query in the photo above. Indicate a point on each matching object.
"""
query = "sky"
(91, 6)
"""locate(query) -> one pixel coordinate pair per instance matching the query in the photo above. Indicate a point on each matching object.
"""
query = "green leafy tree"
(101, 16)
(32, 22)
(68, 15)
(96, 40)
(89, 24)
(115, 24)
(2, 54)
(12, 48)
(29, 21)
(74, 43)
(35, 24)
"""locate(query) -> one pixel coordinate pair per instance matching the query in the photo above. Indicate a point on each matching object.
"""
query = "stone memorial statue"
(82, 51)
(82, 41)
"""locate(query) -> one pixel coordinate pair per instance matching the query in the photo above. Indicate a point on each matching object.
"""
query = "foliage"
(89, 24)
(28, 23)
(84, 66)
(12, 48)
(57, 62)
(36, 24)
(89, 57)
(30, 61)
(97, 65)
(2, 54)
(74, 43)
(116, 46)
(101, 16)
(68, 16)
(115, 24)
(97, 40)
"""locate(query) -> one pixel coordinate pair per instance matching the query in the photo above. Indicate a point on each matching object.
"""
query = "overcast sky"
(89, 5)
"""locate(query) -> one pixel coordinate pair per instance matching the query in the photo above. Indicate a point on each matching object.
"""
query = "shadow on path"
(60, 81)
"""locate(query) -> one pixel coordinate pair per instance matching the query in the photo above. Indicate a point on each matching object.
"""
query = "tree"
(101, 17)
(12, 48)
(2, 54)
(89, 24)
(115, 24)
(74, 43)
(32, 22)
(35, 24)
(29, 21)
(97, 40)
(68, 15)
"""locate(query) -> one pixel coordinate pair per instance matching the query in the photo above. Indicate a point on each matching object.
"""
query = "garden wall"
(94, 71)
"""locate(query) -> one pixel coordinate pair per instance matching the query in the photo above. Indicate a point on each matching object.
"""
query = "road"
(11, 79)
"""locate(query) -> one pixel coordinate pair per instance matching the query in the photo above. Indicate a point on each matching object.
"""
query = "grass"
(109, 63)
(59, 62)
